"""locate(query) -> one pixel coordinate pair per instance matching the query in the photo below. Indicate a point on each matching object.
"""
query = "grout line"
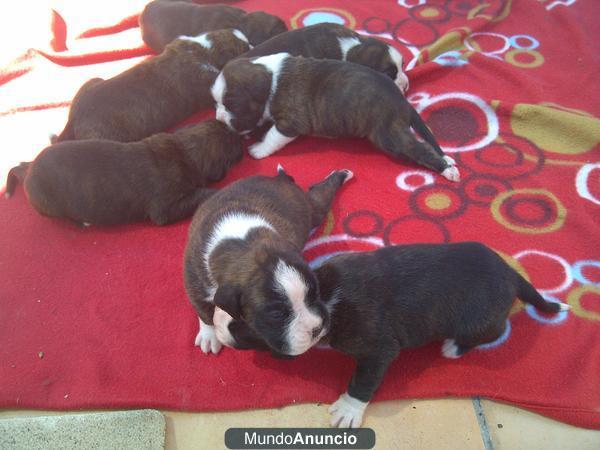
(483, 426)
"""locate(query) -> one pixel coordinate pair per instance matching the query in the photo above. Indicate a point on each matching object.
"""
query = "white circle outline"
(402, 184)
(490, 115)
(578, 274)
(493, 54)
(581, 182)
(563, 262)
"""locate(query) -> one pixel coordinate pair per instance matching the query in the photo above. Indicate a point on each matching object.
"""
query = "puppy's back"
(161, 22)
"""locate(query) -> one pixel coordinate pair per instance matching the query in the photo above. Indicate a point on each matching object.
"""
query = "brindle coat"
(153, 95)
(161, 22)
(241, 270)
(321, 41)
(103, 182)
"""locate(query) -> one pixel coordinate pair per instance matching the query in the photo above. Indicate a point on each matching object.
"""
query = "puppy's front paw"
(259, 150)
(450, 349)
(207, 340)
(347, 412)
(402, 82)
(451, 173)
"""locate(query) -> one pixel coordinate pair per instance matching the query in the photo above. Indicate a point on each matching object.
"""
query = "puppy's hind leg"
(455, 348)
(399, 141)
(181, 208)
(321, 195)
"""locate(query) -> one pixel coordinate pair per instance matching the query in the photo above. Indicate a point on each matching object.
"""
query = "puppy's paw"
(451, 173)
(450, 349)
(207, 340)
(346, 173)
(449, 160)
(402, 82)
(347, 412)
(259, 150)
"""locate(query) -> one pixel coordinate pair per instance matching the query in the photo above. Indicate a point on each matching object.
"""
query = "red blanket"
(98, 317)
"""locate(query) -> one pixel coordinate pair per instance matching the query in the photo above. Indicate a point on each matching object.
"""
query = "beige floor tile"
(419, 425)
(524, 430)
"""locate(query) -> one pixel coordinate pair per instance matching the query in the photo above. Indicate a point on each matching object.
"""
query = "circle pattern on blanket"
(579, 268)
(415, 229)
(438, 202)
(404, 180)
(460, 127)
(313, 16)
(363, 223)
(508, 157)
(521, 219)
(482, 189)
(574, 299)
(565, 267)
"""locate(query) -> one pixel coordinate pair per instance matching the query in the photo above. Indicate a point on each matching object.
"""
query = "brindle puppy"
(333, 41)
(317, 97)
(155, 94)
(406, 296)
(244, 256)
(103, 182)
(161, 22)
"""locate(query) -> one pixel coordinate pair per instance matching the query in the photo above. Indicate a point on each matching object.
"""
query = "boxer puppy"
(307, 96)
(333, 41)
(161, 22)
(155, 94)
(406, 296)
(244, 256)
(102, 182)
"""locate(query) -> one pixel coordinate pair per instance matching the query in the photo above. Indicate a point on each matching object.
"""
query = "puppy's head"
(219, 46)
(278, 302)
(241, 92)
(381, 57)
(260, 26)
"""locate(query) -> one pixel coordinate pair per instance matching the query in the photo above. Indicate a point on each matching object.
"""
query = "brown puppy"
(155, 94)
(106, 182)
(406, 296)
(244, 256)
(161, 22)
(333, 41)
(317, 97)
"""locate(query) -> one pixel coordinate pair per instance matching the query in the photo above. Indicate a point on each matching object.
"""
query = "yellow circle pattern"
(574, 299)
(561, 211)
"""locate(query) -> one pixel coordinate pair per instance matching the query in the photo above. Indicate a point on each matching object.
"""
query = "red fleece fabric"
(98, 317)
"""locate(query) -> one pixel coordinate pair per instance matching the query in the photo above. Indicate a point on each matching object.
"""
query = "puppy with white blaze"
(243, 261)
(406, 296)
(319, 97)
(334, 41)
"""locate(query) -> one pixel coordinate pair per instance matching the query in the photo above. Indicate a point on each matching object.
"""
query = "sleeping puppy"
(307, 96)
(102, 182)
(161, 22)
(244, 256)
(155, 94)
(333, 41)
(406, 296)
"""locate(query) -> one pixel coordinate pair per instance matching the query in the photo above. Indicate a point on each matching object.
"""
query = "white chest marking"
(346, 44)
(274, 64)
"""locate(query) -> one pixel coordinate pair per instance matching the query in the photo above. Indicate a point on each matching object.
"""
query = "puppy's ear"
(229, 298)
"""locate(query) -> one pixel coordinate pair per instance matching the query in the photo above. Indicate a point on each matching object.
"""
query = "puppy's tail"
(527, 293)
(15, 175)
(420, 127)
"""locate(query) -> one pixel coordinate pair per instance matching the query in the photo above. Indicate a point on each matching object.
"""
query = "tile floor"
(409, 424)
